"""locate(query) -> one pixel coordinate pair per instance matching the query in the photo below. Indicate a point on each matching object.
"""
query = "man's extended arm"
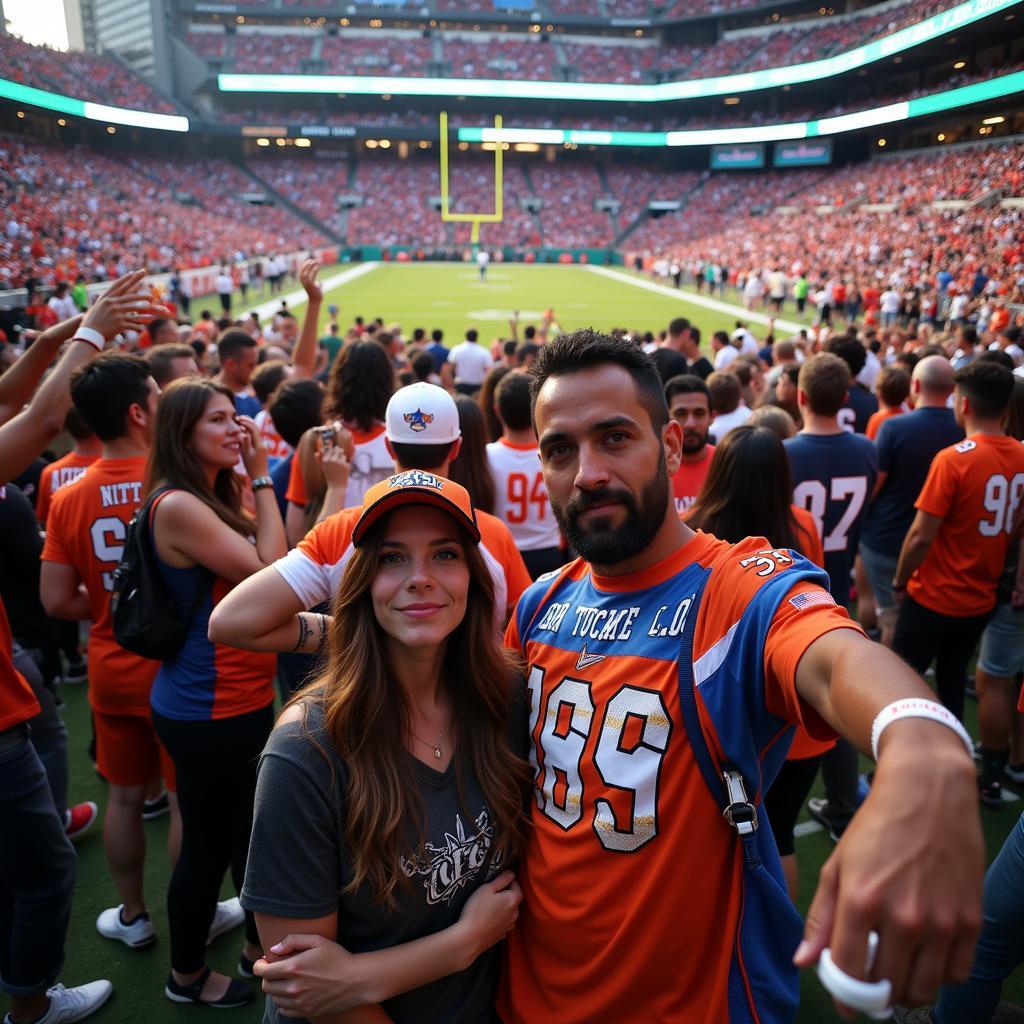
(305, 352)
(18, 383)
(910, 864)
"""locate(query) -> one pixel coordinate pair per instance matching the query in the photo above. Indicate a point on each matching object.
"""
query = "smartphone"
(326, 436)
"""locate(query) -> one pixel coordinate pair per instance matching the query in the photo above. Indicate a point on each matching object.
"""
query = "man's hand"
(125, 306)
(307, 275)
(311, 977)
(909, 867)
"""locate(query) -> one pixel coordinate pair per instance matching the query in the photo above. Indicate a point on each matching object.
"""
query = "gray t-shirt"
(298, 867)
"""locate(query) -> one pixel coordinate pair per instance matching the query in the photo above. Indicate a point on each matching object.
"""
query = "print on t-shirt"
(448, 869)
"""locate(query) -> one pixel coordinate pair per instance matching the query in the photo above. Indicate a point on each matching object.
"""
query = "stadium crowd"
(344, 514)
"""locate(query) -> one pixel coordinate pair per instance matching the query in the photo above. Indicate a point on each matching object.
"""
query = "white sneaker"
(135, 935)
(227, 917)
(71, 1004)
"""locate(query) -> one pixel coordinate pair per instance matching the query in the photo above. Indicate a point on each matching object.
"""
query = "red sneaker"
(79, 819)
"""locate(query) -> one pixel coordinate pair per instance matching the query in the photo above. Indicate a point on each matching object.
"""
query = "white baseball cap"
(422, 413)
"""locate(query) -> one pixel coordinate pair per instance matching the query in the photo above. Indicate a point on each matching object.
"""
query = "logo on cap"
(418, 420)
(416, 478)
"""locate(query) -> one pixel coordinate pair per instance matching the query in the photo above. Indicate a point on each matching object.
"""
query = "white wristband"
(917, 707)
(92, 337)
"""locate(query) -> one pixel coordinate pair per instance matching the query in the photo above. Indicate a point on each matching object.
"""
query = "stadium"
(741, 189)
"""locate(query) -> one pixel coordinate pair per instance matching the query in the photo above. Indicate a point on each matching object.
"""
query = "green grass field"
(450, 296)
(428, 295)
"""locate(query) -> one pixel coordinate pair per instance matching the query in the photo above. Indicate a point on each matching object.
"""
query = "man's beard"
(604, 544)
(694, 443)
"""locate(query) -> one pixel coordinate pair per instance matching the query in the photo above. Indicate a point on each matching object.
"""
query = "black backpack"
(143, 611)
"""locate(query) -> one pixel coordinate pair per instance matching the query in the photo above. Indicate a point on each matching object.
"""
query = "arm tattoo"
(305, 631)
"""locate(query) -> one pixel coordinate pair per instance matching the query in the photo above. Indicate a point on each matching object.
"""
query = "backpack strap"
(207, 578)
(727, 787)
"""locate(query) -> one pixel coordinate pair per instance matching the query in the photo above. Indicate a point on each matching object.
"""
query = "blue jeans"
(1000, 947)
(37, 871)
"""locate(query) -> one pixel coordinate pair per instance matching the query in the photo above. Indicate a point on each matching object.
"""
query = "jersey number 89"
(569, 716)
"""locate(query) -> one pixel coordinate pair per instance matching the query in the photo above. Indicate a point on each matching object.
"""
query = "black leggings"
(215, 762)
(784, 800)
(923, 636)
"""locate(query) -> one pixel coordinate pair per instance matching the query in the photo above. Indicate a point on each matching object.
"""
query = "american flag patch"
(811, 599)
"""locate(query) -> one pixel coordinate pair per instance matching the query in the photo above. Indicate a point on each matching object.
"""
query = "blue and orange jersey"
(632, 880)
(207, 680)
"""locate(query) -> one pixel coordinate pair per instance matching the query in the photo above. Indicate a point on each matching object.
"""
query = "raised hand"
(307, 275)
(125, 306)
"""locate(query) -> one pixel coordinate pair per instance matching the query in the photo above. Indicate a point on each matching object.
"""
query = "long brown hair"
(471, 468)
(361, 697)
(171, 461)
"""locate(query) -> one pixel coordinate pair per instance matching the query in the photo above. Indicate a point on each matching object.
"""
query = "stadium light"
(883, 48)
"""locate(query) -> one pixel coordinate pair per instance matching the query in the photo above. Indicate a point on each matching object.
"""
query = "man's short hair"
(231, 344)
(422, 366)
(893, 386)
(422, 456)
(437, 335)
(268, 378)
(725, 392)
(998, 356)
(686, 384)
(155, 326)
(525, 350)
(987, 385)
(512, 399)
(418, 334)
(106, 388)
(678, 326)
(785, 350)
(741, 369)
(471, 334)
(296, 407)
(76, 426)
(825, 379)
(969, 334)
(161, 358)
(722, 337)
(851, 351)
(508, 347)
(586, 349)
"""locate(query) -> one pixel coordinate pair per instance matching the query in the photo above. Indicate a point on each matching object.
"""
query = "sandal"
(237, 994)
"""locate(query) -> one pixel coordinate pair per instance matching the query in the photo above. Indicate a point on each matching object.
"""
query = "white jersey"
(521, 500)
(471, 363)
(371, 463)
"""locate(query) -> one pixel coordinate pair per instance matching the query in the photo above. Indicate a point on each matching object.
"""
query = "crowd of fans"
(86, 76)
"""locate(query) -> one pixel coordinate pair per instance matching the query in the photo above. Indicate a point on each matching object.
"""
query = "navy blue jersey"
(906, 446)
(833, 476)
(860, 406)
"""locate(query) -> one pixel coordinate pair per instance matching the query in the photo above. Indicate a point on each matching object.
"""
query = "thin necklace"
(436, 747)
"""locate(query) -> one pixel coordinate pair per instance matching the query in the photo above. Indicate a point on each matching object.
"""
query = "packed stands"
(472, 191)
(70, 211)
(568, 215)
(312, 185)
(85, 76)
(407, 55)
(596, 63)
(279, 52)
(483, 56)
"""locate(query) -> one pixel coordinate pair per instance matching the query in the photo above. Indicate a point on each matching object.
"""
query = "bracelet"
(917, 707)
(91, 337)
(261, 482)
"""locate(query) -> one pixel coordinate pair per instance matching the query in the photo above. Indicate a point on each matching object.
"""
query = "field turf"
(427, 295)
(450, 296)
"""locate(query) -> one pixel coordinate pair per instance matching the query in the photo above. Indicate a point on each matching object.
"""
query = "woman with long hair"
(486, 400)
(212, 705)
(748, 493)
(390, 801)
(361, 381)
(470, 467)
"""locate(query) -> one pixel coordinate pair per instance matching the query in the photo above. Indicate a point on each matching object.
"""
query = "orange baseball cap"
(416, 487)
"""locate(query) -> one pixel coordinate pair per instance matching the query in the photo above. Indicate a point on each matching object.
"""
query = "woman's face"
(419, 592)
(216, 437)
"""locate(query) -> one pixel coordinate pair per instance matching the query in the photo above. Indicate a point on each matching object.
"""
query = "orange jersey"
(631, 877)
(975, 488)
(58, 473)
(17, 701)
(314, 568)
(689, 479)
(877, 419)
(87, 525)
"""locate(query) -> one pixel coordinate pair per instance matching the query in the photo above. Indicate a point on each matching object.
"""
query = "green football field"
(451, 296)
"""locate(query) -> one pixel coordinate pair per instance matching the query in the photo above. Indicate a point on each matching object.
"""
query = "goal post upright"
(473, 219)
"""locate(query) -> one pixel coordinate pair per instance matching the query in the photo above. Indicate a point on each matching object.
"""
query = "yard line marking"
(297, 299)
(698, 300)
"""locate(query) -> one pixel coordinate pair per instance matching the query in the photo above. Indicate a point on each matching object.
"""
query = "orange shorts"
(128, 752)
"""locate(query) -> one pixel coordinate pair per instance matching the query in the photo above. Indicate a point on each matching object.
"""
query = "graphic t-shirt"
(975, 487)
(298, 865)
(521, 499)
(689, 479)
(313, 569)
(631, 876)
(833, 476)
(58, 473)
(87, 525)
